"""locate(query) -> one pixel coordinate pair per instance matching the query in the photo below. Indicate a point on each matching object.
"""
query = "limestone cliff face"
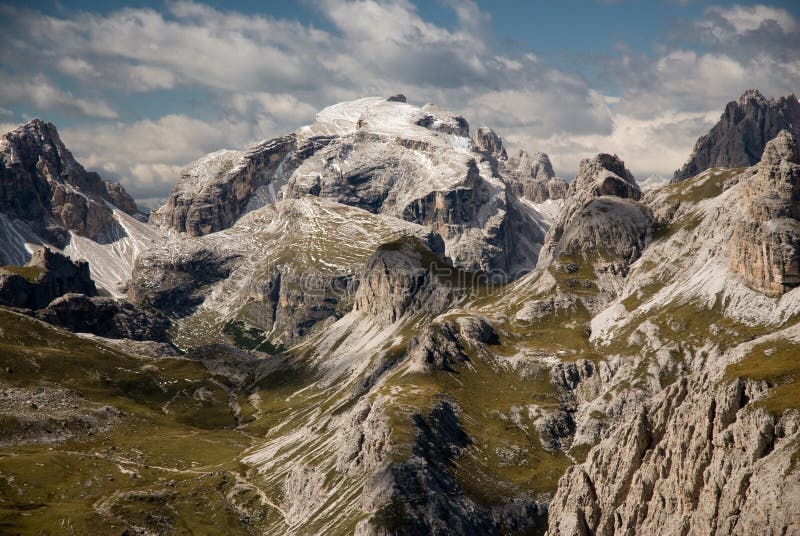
(213, 192)
(765, 248)
(43, 185)
(741, 134)
(399, 280)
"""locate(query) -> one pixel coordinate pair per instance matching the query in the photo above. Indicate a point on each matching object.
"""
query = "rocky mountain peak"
(537, 165)
(605, 174)
(400, 279)
(601, 213)
(740, 136)
(38, 140)
(41, 183)
(752, 97)
(381, 155)
(487, 141)
(527, 175)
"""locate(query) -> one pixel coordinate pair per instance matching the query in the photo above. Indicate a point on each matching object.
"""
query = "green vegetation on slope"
(506, 457)
(706, 185)
(166, 465)
(31, 273)
(777, 363)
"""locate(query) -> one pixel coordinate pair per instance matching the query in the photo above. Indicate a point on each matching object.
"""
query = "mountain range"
(384, 323)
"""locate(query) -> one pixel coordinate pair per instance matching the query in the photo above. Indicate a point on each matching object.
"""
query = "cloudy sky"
(138, 90)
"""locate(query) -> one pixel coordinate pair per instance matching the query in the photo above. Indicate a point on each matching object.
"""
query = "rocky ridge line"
(742, 133)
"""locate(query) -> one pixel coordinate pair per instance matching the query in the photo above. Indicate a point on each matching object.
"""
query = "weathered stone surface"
(421, 495)
(692, 461)
(608, 224)
(445, 343)
(741, 134)
(400, 279)
(175, 283)
(526, 175)
(765, 249)
(288, 269)
(532, 177)
(487, 141)
(291, 304)
(47, 276)
(604, 174)
(43, 185)
(213, 192)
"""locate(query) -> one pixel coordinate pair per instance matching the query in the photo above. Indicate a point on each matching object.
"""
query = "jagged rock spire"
(739, 138)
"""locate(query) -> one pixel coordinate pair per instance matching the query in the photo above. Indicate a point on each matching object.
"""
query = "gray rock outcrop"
(526, 175)
(421, 494)
(601, 214)
(531, 176)
(739, 138)
(487, 141)
(765, 248)
(400, 279)
(287, 269)
(174, 282)
(290, 304)
(443, 344)
(213, 192)
(695, 460)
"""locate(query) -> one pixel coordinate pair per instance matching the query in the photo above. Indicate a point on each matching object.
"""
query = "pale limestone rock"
(765, 248)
